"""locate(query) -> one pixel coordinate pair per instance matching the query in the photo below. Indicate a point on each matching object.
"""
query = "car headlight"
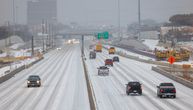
(38, 81)
(28, 81)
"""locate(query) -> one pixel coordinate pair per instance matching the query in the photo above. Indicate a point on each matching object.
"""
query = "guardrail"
(91, 95)
(173, 77)
(12, 73)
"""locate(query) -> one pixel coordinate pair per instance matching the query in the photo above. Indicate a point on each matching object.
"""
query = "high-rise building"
(38, 10)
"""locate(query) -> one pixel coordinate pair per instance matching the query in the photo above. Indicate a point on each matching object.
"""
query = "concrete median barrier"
(91, 95)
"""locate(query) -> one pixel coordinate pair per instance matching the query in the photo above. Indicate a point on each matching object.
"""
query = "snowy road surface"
(110, 90)
(63, 84)
(64, 87)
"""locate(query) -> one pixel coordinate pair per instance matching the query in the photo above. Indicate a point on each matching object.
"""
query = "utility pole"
(139, 19)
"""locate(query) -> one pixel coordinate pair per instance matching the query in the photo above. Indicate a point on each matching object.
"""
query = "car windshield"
(33, 78)
(134, 83)
(166, 84)
(108, 60)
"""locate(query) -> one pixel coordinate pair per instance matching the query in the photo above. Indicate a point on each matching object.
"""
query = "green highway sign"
(103, 35)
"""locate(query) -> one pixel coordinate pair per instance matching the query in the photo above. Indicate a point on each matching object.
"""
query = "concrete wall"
(173, 77)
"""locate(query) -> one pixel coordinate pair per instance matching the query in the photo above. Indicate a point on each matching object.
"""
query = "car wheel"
(174, 96)
(28, 86)
(160, 96)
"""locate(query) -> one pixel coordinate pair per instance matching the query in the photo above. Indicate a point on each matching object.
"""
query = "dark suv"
(115, 59)
(92, 55)
(33, 80)
(133, 87)
(166, 90)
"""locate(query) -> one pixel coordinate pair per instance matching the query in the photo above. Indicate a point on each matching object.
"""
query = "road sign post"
(171, 60)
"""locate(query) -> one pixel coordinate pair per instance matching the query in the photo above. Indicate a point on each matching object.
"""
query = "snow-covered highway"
(110, 91)
(63, 84)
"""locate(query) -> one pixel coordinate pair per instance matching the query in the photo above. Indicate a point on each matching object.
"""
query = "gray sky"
(91, 12)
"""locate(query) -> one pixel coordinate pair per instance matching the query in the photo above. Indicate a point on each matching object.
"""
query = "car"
(58, 48)
(103, 70)
(90, 46)
(92, 55)
(33, 81)
(166, 90)
(115, 59)
(134, 87)
(109, 62)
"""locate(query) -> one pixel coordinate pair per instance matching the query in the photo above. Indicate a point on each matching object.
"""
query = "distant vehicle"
(112, 50)
(98, 48)
(58, 48)
(33, 80)
(92, 55)
(115, 59)
(103, 70)
(166, 90)
(109, 62)
(133, 87)
(90, 46)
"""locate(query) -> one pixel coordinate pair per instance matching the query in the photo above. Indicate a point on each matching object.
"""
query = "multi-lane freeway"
(110, 91)
(64, 85)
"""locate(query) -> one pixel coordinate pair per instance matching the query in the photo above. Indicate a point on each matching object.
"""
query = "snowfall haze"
(99, 12)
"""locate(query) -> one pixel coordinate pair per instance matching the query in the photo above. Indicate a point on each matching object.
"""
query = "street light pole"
(13, 12)
(139, 19)
(119, 24)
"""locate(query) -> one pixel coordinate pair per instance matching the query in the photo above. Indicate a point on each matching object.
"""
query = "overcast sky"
(91, 12)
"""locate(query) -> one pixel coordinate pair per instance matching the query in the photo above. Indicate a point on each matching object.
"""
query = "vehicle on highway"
(134, 87)
(58, 48)
(166, 90)
(103, 70)
(115, 59)
(90, 46)
(92, 55)
(112, 50)
(109, 62)
(98, 48)
(33, 81)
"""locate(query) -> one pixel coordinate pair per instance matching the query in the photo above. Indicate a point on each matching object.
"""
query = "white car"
(58, 48)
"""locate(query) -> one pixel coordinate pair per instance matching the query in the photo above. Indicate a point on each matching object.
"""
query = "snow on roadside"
(130, 53)
(16, 65)
(152, 44)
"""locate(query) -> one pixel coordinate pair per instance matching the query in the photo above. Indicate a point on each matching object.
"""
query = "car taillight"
(128, 87)
(161, 90)
(174, 90)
